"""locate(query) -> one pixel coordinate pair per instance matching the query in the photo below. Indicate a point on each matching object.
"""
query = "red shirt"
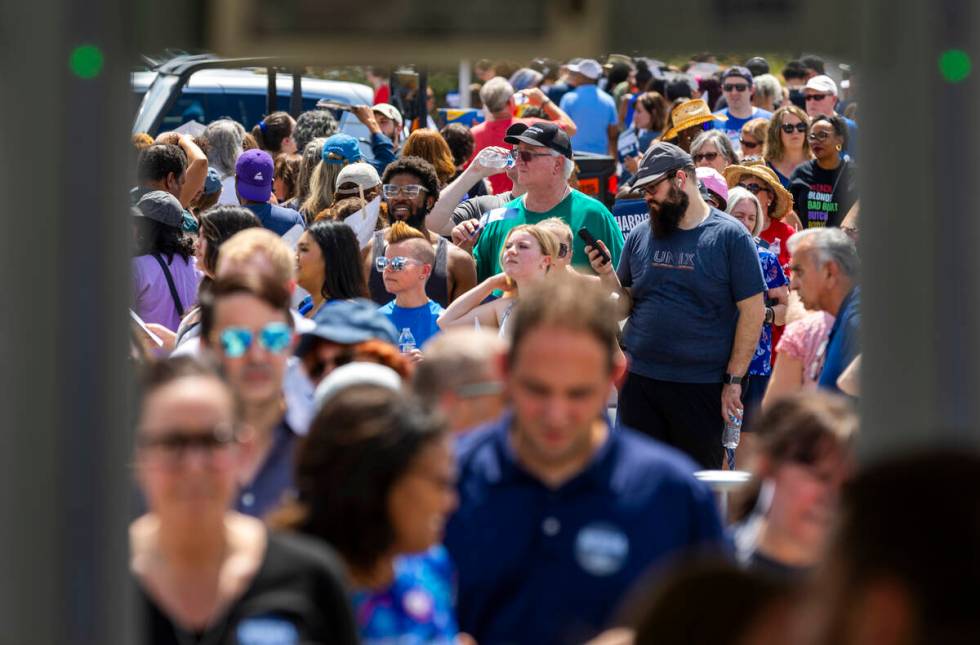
(382, 94)
(779, 230)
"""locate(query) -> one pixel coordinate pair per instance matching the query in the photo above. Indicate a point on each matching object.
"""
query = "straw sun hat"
(690, 113)
(784, 199)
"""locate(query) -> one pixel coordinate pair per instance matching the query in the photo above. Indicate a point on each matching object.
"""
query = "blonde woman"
(529, 253)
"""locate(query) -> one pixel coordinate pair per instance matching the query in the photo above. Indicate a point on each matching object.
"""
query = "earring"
(839, 147)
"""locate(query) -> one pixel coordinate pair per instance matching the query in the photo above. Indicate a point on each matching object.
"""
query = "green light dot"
(86, 61)
(955, 65)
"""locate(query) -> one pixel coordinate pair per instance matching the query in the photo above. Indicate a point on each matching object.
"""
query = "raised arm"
(467, 308)
(439, 220)
(538, 98)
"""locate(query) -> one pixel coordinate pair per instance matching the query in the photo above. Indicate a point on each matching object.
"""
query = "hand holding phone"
(591, 241)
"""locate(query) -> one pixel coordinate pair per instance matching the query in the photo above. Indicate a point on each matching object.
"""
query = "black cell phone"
(591, 241)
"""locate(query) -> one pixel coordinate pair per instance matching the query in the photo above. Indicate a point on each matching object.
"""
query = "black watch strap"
(730, 379)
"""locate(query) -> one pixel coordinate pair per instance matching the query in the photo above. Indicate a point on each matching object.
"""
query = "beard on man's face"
(666, 216)
(415, 217)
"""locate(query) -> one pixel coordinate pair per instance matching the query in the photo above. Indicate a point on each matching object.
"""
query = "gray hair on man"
(495, 94)
(767, 86)
(456, 359)
(831, 245)
(224, 138)
(722, 143)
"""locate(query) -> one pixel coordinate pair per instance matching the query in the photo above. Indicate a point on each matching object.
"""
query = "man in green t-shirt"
(543, 158)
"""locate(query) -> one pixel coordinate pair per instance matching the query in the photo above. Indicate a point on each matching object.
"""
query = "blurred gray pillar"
(919, 229)
(64, 445)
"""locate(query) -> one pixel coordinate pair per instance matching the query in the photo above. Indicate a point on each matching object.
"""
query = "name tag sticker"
(267, 630)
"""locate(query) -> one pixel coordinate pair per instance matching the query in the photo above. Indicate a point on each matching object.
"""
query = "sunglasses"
(397, 263)
(789, 128)
(815, 97)
(409, 190)
(274, 337)
(750, 145)
(755, 189)
(818, 136)
(527, 157)
(174, 445)
(735, 87)
(707, 156)
(319, 368)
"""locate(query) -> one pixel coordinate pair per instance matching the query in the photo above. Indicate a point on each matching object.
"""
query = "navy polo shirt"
(542, 565)
(844, 342)
(274, 478)
(277, 219)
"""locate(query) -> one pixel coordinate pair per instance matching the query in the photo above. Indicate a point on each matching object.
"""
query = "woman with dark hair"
(205, 573)
(328, 265)
(649, 114)
(376, 480)
(825, 188)
(804, 454)
(218, 224)
(165, 275)
(461, 144)
(274, 134)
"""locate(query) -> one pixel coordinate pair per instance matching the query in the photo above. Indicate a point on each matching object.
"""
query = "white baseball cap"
(588, 67)
(389, 111)
(360, 173)
(823, 84)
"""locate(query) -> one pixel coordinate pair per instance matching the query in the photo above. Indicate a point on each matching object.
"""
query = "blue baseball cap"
(212, 183)
(737, 70)
(348, 322)
(341, 148)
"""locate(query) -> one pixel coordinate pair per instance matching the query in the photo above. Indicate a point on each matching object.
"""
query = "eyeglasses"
(527, 157)
(707, 156)
(174, 445)
(818, 136)
(274, 337)
(788, 128)
(397, 263)
(650, 189)
(815, 97)
(749, 145)
(409, 190)
(755, 189)
(735, 87)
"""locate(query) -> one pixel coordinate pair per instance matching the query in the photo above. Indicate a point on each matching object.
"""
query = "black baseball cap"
(544, 134)
(737, 70)
(660, 160)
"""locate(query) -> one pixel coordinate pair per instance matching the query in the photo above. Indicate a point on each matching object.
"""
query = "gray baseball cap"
(162, 207)
(661, 159)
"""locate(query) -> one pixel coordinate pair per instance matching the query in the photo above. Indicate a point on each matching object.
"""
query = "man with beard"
(690, 278)
(410, 188)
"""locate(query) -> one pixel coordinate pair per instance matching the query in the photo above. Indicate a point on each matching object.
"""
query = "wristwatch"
(770, 315)
(729, 379)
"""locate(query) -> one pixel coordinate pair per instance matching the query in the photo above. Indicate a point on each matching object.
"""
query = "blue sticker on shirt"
(267, 630)
(601, 549)
(499, 214)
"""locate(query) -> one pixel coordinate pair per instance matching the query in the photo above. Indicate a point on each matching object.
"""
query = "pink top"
(806, 340)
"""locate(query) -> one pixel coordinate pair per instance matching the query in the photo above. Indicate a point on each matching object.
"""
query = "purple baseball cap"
(253, 175)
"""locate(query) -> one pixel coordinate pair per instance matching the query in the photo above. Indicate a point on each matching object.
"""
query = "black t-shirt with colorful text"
(823, 197)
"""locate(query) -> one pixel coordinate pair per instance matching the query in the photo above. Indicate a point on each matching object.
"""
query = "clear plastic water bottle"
(495, 158)
(732, 432)
(406, 341)
(776, 247)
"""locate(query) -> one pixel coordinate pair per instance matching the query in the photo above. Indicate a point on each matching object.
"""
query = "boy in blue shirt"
(405, 268)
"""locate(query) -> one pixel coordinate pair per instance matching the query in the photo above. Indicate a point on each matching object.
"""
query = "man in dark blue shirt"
(825, 267)
(560, 513)
(253, 182)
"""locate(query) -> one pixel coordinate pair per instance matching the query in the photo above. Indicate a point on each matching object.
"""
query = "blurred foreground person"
(460, 377)
(376, 480)
(207, 574)
(559, 512)
(804, 454)
(904, 561)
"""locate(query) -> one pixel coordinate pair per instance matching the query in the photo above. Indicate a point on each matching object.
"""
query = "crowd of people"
(435, 393)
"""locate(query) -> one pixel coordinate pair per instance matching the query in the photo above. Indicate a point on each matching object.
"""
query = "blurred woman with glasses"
(206, 574)
(376, 479)
(804, 456)
(528, 254)
(786, 144)
(825, 188)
